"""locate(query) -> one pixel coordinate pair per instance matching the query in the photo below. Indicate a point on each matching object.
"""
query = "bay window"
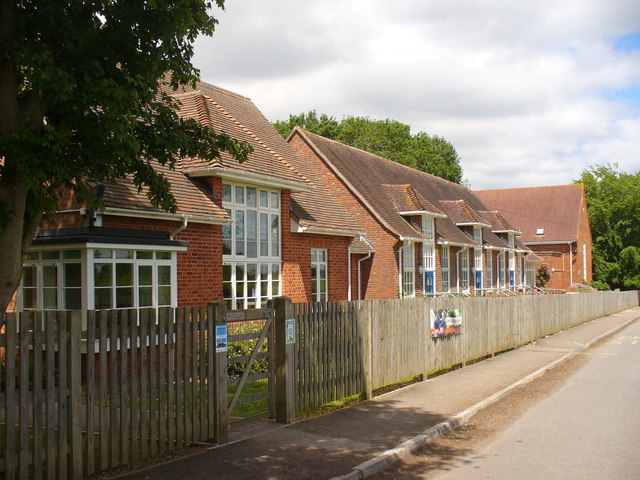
(104, 277)
(251, 245)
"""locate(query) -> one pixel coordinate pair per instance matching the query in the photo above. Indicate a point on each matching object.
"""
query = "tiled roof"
(406, 199)
(461, 213)
(272, 159)
(191, 199)
(238, 117)
(490, 239)
(498, 222)
(556, 209)
(382, 185)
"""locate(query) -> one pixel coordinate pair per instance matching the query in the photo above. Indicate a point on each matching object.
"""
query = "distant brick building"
(555, 224)
(429, 235)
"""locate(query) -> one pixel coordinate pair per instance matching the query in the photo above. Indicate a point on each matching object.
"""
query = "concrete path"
(356, 442)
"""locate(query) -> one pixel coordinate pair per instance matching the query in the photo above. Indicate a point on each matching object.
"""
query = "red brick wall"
(380, 272)
(557, 259)
(199, 268)
(296, 260)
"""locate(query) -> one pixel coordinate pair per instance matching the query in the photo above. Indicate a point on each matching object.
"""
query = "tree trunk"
(15, 238)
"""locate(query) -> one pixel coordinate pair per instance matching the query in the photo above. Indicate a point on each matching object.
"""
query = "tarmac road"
(588, 430)
(579, 421)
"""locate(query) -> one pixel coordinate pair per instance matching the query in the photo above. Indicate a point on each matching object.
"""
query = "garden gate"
(250, 364)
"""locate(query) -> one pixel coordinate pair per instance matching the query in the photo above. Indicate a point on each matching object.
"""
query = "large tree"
(613, 199)
(386, 138)
(82, 98)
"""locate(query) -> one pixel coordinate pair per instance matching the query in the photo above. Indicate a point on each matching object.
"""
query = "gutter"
(125, 212)
(259, 179)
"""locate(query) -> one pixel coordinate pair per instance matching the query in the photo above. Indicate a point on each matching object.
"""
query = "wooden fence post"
(220, 379)
(365, 326)
(74, 405)
(285, 355)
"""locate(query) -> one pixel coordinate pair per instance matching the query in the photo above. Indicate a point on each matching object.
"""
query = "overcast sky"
(529, 93)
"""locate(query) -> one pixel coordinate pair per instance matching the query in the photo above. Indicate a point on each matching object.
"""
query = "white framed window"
(250, 284)
(52, 280)
(477, 259)
(477, 234)
(446, 282)
(319, 288)
(255, 232)
(409, 270)
(503, 268)
(429, 257)
(489, 268)
(530, 273)
(251, 246)
(99, 278)
(128, 278)
(464, 270)
(428, 227)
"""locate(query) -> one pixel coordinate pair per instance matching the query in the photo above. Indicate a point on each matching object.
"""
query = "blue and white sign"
(222, 340)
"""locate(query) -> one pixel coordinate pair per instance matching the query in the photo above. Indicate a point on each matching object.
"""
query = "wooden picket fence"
(353, 348)
(135, 384)
(328, 353)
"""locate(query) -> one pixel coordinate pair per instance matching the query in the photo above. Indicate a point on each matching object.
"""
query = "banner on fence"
(445, 322)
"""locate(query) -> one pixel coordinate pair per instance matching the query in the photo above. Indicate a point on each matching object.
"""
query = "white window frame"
(319, 273)
(429, 257)
(266, 234)
(136, 262)
(88, 262)
(39, 263)
(428, 227)
(408, 270)
(446, 268)
(267, 284)
(464, 270)
(530, 273)
(503, 267)
(489, 255)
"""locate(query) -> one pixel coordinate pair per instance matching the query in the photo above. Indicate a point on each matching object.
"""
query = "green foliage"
(386, 138)
(244, 348)
(543, 275)
(600, 285)
(613, 199)
(81, 86)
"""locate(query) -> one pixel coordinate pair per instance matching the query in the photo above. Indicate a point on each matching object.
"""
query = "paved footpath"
(356, 442)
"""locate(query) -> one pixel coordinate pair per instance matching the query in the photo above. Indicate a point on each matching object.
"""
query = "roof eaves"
(126, 212)
(424, 212)
(259, 179)
(327, 231)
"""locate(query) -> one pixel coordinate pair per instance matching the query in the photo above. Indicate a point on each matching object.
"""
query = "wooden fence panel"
(139, 383)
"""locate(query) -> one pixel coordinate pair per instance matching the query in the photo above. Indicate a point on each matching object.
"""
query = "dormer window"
(428, 227)
(540, 231)
(477, 234)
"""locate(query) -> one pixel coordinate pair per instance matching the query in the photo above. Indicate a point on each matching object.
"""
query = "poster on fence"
(444, 322)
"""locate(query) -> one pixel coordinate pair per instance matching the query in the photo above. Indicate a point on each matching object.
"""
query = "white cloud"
(525, 91)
